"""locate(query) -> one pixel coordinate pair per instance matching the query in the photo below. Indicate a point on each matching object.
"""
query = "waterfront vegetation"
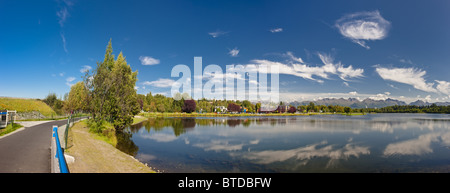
(157, 114)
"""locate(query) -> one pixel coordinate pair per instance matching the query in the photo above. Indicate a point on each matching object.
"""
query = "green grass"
(137, 120)
(103, 131)
(10, 128)
(26, 105)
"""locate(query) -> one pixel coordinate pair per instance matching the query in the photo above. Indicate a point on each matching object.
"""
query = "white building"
(7, 116)
(220, 109)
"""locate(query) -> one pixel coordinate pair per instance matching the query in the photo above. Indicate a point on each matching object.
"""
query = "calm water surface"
(320, 143)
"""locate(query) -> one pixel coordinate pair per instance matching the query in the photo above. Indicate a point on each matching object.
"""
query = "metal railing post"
(59, 152)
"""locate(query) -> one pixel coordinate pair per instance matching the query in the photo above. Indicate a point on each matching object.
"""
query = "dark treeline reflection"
(183, 125)
(125, 144)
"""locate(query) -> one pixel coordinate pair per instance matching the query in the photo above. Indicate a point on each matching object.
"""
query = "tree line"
(433, 108)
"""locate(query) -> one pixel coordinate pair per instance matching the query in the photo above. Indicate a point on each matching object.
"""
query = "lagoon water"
(319, 143)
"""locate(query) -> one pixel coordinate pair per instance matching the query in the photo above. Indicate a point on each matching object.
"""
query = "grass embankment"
(94, 155)
(26, 105)
(10, 128)
(236, 115)
(137, 119)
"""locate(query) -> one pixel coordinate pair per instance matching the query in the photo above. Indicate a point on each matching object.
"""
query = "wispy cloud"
(291, 56)
(363, 26)
(69, 81)
(411, 76)
(147, 60)
(85, 69)
(63, 38)
(217, 33)
(414, 77)
(295, 66)
(234, 52)
(276, 30)
(161, 83)
(62, 15)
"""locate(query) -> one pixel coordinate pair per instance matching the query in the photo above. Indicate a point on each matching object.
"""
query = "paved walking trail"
(28, 150)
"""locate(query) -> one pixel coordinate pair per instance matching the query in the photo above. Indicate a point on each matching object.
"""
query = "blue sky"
(359, 49)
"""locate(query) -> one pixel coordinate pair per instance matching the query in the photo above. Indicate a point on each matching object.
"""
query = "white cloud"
(217, 33)
(147, 60)
(443, 87)
(306, 153)
(276, 30)
(392, 86)
(85, 69)
(69, 81)
(219, 145)
(406, 61)
(362, 26)
(234, 52)
(161, 83)
(62, 16)
(63, 13)
(295, 66)
(64, 42)
(291, 56)
(411, 76)
(418, 146)
(160, 137)
(381, 96)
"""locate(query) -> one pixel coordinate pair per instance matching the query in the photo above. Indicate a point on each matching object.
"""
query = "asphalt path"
(28, 151)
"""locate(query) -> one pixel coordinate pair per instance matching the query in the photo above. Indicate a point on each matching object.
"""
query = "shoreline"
(151, 115)
(94, 155)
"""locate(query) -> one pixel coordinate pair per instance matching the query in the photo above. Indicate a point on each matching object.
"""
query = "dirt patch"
(96, 156)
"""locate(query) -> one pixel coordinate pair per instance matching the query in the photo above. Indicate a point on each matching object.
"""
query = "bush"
(232, 107)
(292, 110)
(189, 106)
(104, 129)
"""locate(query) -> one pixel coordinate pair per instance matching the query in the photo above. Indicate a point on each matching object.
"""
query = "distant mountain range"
(366, 103)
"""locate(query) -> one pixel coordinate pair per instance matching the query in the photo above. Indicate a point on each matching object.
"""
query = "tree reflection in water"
(183, 125)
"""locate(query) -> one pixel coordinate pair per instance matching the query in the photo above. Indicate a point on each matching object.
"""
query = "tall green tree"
(78, 97)
(114, 98)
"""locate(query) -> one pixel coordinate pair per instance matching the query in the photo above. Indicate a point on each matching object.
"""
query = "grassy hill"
(25, 105)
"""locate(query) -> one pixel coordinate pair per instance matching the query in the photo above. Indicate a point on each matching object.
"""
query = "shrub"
(232, 107)
(189, 106)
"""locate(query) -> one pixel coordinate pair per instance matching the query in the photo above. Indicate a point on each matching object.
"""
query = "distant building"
(282, 108)
(220, 109)
(265, 110)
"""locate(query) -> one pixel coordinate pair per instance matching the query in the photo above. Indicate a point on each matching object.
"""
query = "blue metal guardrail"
(59, 153)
